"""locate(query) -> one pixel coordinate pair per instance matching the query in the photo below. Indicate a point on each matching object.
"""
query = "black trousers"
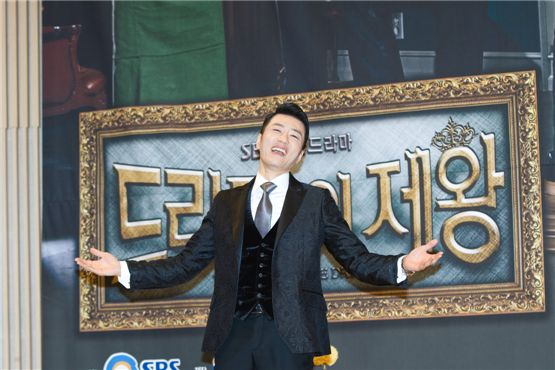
(254, 344)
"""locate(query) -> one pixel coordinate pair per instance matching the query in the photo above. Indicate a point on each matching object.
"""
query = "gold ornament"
(326, 360)
(453, 135)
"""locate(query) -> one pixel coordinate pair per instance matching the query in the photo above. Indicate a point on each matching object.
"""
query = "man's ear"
(258, 138)
(300, 157)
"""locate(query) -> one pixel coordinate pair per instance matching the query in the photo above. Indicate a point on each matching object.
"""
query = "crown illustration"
(453, 135)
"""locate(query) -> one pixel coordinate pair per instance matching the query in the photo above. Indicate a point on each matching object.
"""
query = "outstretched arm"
(160, 273)
(105, 265)
(373, 268)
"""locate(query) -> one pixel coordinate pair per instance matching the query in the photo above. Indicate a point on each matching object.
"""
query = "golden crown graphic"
(453, 135)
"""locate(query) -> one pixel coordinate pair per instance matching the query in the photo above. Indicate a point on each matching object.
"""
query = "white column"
(20, 182)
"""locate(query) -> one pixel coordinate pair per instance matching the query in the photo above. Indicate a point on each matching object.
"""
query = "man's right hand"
(105, 265)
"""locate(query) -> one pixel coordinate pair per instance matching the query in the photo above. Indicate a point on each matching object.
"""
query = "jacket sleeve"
(351, 253)
(178, 269)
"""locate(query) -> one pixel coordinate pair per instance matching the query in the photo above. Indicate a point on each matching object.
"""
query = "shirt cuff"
(124, 277)
(401, 273)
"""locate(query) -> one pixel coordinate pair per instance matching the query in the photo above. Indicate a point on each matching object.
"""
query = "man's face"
(280, 145)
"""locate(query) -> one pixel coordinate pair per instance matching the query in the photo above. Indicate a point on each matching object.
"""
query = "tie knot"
(267, 187)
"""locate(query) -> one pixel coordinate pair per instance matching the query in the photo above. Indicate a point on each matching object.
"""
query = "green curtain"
(168, 52)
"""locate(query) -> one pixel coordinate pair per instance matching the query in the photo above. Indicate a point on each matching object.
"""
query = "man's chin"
(277, 167)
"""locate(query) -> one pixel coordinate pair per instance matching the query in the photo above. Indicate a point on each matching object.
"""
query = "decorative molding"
(419, 64)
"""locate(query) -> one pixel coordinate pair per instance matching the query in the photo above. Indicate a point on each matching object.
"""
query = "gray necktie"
(263, 217)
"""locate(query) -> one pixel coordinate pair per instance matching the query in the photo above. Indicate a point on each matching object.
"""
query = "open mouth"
(279, 151)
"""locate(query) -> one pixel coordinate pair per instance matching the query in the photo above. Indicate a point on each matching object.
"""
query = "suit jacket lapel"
(293, 200)
(237, 218)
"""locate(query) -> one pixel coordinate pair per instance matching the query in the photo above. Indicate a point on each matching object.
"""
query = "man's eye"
(295, 137)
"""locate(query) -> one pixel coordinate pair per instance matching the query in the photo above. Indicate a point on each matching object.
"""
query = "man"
(268, 311)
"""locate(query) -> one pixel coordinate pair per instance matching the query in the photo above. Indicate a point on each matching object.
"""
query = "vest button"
(260, 275)
(261, 265)
(259, 286)
(262, 254)
(258, 295)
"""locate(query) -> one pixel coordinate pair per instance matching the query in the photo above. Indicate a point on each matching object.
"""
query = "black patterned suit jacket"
(309, 219)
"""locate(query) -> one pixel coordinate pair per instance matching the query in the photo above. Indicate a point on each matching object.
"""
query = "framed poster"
(452, 159)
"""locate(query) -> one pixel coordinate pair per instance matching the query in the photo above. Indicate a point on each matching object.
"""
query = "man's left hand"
(420, 258)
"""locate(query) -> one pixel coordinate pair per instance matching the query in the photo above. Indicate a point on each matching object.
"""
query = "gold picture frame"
(514, 91)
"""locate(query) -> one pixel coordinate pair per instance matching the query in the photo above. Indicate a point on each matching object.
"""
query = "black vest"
(255, 274)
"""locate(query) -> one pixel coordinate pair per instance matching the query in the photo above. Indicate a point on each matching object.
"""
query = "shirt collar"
(281, 182)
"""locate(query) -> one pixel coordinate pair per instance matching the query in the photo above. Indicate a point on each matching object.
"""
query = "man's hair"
(290, 109)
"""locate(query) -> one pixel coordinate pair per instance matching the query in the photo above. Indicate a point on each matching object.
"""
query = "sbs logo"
(124, 361)
(121, 361)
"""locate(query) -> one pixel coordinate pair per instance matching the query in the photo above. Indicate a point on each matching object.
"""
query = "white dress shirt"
(277, 197)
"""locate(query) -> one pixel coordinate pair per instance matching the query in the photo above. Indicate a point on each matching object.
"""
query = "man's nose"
(284, 137)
